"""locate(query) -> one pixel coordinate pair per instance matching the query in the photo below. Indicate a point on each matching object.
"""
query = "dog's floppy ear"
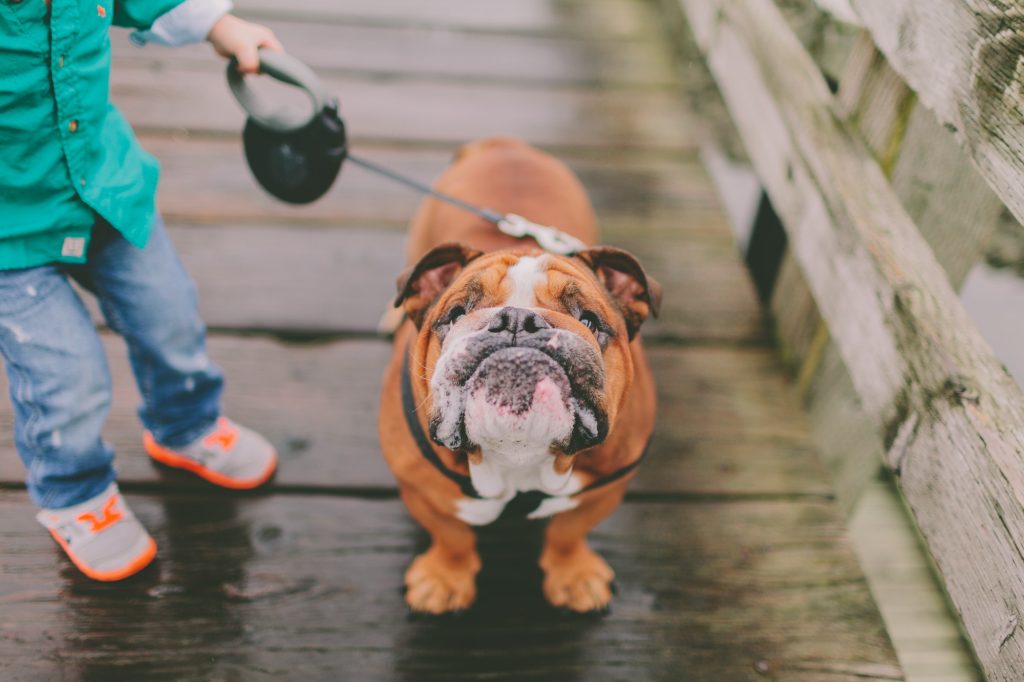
(636, 293)
(420, 285)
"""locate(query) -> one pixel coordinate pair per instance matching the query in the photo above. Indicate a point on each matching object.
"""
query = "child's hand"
(234, 37)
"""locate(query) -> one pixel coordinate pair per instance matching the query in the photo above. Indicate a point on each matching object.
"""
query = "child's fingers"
(271, 43)
(248, 59)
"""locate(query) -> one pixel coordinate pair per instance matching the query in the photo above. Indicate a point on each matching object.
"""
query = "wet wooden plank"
(316, 280)
(442, 54)
(728, 424)
(208, 180)
(307, 588)
(292, 279)
(170, 98)
(605, 19)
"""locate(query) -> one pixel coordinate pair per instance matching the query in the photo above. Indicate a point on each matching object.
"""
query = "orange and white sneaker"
(101, 536)
(230, 456)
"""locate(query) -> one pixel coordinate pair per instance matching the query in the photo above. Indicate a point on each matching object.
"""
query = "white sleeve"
(189, 22)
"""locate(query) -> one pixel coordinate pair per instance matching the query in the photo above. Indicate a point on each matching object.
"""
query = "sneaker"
(101, 536)
(230, 456)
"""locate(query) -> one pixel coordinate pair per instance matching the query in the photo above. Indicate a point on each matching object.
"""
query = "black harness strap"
(464, 482)
(617, 474)
(426, 449)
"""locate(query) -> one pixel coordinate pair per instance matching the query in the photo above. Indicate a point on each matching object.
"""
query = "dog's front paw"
(579, 580)
(437, 584)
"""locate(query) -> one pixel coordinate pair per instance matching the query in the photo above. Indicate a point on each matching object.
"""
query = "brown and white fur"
(527, 371)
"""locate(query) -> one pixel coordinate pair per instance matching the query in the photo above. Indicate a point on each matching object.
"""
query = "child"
(77, 202)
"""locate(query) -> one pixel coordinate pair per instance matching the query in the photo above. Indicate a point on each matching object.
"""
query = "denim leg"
(59, 386)
(148, 298)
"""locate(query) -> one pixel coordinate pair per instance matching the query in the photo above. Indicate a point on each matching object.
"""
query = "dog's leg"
(442, 579)
(575, 576)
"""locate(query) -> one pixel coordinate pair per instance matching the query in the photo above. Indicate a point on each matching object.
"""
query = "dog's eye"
(590, 321)
(455, 313)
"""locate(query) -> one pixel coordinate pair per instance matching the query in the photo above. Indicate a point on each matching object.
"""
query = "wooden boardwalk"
(731, 556)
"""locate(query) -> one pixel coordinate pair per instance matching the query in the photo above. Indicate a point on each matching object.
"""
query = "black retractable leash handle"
(296, 153)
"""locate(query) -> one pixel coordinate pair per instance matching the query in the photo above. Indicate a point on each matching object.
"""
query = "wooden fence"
(949, 418)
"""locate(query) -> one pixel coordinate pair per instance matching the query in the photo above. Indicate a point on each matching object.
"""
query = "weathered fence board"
(947, 199)
(964, 60)
(724, 429)
(307, 587)
(952, 205)
(926, 637)
(952, 418)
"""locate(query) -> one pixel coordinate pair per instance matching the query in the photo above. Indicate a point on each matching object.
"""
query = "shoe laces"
(89, 523)
(223, 437)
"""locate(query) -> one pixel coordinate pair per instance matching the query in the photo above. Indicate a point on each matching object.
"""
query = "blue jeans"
(59, 380)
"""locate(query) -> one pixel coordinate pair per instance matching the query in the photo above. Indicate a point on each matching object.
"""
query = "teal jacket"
(66, 153)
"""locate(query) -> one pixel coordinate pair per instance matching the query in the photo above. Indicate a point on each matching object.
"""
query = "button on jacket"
(66, 153)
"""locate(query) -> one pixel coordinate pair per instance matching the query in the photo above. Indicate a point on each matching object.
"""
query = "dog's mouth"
(544, 394)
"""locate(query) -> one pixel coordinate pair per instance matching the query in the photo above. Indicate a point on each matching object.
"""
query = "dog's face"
(525, 354)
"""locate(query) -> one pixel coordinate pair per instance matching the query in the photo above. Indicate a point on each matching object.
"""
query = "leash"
(485, 213)
(464, 482)
(548, 238)
(296, 155)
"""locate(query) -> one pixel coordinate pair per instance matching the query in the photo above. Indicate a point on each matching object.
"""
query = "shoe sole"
(173, 459)
(136, 565)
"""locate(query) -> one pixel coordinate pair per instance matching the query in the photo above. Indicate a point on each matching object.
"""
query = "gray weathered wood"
(664, 210)
(846, 438)
(606, 19)
(292, 279)
(952, 418)
(302, 280)
(163, 98)
(955, 211)
(386, 51)
(964, 60)
(728, 424)
(925, 634)
(289, 587)
(825, 38)
(944, 194)
(840, 9)
(307, 587)
(731, 564)
(955, 208)
(875, 101)
(208, 180)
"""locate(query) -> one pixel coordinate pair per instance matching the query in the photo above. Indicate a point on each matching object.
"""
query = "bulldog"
(518, 380)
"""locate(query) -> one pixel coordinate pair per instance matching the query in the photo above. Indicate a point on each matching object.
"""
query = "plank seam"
(391, 493)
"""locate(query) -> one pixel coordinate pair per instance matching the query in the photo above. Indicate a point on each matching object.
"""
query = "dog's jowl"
(516, 373)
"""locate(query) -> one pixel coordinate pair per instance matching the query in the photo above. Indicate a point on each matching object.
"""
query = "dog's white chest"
(498, 485)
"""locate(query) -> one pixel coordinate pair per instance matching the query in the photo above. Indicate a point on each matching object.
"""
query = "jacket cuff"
(190, 22)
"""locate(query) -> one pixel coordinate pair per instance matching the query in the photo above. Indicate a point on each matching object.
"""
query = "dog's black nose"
(517, 321)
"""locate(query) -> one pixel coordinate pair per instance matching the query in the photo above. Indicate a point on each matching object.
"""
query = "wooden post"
(951, 418)
(965, 61)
